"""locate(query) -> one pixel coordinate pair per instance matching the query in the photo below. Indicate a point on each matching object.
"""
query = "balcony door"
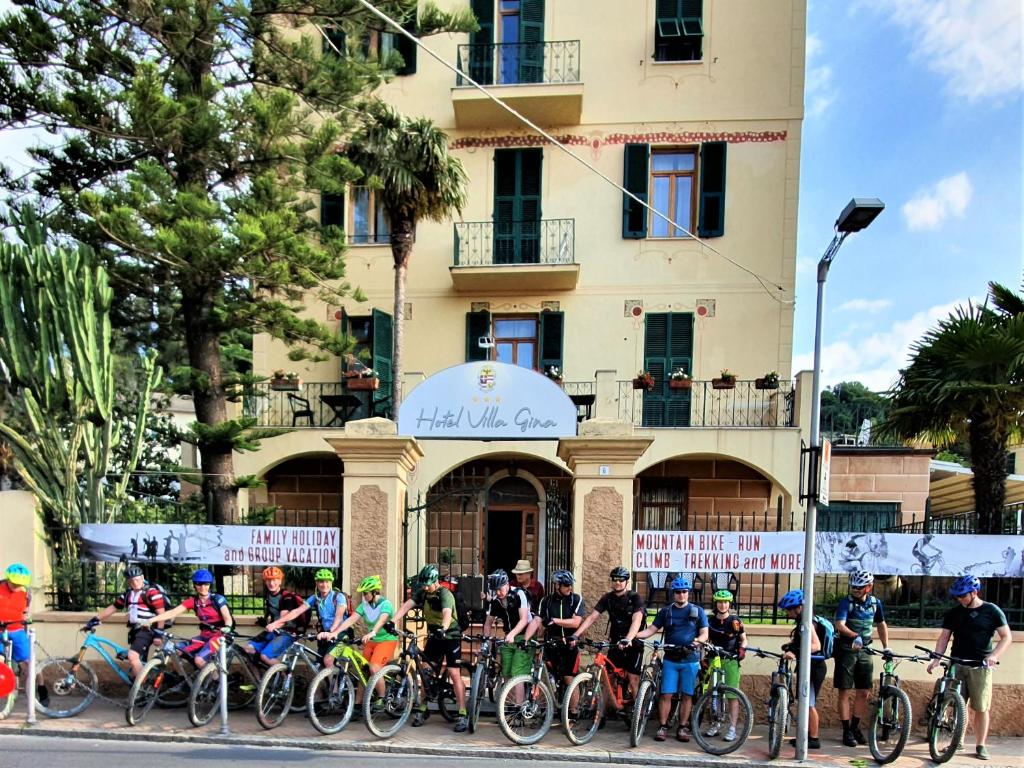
(517, 209)
(509, 46)
(668, 345)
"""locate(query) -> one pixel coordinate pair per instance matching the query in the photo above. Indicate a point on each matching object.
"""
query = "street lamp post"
(857, 215)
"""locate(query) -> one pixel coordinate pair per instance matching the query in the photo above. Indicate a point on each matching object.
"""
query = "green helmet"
(370, 584)
(428, 575)
(724, 595)
(324, 574)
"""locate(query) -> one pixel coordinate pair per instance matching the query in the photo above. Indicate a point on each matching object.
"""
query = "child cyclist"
(725, 630)
(375, 611)
(141, 600)
(14, 609)
(214, 619)
(270, 644)
(330, 605)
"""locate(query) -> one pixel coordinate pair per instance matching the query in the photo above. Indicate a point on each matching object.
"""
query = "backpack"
(168, 603)
(462, 612)
(828, 642)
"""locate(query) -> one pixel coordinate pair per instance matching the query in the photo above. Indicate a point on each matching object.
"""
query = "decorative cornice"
(596, 141)
(602, 450)
(403, 451)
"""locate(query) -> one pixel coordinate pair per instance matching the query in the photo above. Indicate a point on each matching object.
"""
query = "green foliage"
(845, 406)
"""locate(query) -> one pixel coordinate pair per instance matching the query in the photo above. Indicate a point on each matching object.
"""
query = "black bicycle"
(892, 718)
(780, 696)
(284, 687)
(486, 677)
(947, 711)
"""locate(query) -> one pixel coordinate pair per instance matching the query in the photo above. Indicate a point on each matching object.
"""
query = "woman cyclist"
(214, 619)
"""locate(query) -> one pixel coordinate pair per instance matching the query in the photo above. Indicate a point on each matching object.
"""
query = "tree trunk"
(988, 459)
(403, 232)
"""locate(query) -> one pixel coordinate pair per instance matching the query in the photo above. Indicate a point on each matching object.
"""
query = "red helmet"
(272, 572)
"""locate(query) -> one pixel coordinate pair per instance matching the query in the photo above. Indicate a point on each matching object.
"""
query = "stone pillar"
(602, 460)
(376, 475)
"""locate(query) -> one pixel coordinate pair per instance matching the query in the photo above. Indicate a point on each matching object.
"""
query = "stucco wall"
(896, 477)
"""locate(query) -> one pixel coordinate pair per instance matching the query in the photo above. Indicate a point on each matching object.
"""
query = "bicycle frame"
(100, 645)
(352, 661)
(613, 679)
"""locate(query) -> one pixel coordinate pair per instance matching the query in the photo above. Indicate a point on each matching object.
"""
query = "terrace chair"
(301, 409)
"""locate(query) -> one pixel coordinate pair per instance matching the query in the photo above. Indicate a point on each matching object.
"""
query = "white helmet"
(861, 579)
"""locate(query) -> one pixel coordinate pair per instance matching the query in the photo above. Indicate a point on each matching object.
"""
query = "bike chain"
(116, 703)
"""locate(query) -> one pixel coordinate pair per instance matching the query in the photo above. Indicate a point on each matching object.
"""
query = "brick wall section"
(894, 478)
(309, 483)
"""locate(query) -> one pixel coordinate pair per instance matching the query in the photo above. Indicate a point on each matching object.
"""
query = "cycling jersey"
(681, 624)
(14, 604)
(561, 607)
(860, 617)
(327, 607)
(275, 605)
(142, 603)
(371, 612)
(207, 610)
(725, 632)
(434, 604)
(514, 602)
(620, 612)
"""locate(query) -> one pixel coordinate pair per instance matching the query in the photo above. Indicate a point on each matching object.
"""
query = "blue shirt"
(327, 607)
(860, 617)
(680, 626)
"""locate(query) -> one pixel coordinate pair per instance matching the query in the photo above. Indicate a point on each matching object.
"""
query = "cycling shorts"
(631, 658)
(271, 644)
(515, 660)
(379, 653)
(679, 677)
(438, 648)
(203, 646)
(20, 646)
(564, 661)
(139, 640)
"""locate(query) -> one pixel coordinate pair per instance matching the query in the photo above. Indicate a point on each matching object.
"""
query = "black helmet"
(497, 580)
(563, 578)
(619, 572)
(132, 571)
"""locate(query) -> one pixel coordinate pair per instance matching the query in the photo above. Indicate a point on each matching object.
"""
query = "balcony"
(315, 405)
(526, 255)
(704, 406)
(538, 80)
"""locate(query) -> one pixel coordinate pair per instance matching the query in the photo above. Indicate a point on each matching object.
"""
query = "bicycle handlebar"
(887, 653)
(946, 660)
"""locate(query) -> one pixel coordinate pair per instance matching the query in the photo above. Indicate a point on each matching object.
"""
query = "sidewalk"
(611, 745)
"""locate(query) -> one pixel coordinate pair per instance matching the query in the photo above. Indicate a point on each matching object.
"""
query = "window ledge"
(657, 63)
(368, 245)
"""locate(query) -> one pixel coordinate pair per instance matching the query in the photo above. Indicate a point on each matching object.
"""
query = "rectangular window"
(369, 224)
(859, 516)
(674, 191)
(531, 341)
(678, 30)
(515, 340)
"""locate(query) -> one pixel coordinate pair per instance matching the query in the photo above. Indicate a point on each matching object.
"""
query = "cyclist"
(512, 606)
(793, 604)
(269, 644)
(972, 623)
(561, 614)
(15, 600)
(856, 615)
(682, 622)
(925, 558)
(726, 631)
(143, 601)
(526, 581)
(214, 617)
(331, 608)
(444, 638)
(626, 617)
(379, 643)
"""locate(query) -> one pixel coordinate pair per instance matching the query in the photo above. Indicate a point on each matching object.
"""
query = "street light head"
(859, 213)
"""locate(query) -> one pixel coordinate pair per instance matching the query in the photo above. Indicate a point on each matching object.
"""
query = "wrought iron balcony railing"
(317, 405)
(703, 405)
(520, 63)
(540, 241)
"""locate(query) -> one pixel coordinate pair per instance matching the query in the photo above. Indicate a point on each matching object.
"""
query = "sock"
(854, 723)
(846, 726)
(462, 712)
(423, 708)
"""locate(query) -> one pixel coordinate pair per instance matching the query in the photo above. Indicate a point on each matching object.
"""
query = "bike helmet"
(497, 580)
(619, 574)
(133, 571)
(18, 574)
(680, 583)
(370, 584)
(202, 576)
(723, 595)
(562, 579)
(428, 575)
(792, 599)
(861, 579)
(324, 574)
(965, 585)
(273, 572)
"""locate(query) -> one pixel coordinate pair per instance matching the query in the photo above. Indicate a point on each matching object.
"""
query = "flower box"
(363, 384)
(286, 385)
(723, 383)
(766, 383)
(680, 383)
(644, 382)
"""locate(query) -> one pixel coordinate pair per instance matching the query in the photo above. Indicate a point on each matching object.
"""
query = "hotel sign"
(487, 401)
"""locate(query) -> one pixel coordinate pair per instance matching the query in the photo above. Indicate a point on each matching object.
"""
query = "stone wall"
(602, 541)
(901, 475)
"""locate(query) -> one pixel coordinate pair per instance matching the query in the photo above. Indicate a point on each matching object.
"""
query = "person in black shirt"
(626, 617)
(561, 614)
(511, 606)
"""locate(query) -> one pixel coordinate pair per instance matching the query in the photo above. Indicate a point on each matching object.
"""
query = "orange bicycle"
(590, 691)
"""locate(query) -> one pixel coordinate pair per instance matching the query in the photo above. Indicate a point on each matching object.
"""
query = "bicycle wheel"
(582, 720)
(68, 690)
(331, 700)
(477, 691)
(711, 715)
(274, 696)
(778, 720)
(7, 703)
(144, 691)
(302, 676)
(646, 696)
(447, 704)
(204, 700)
(946, 729)
(529, 721)
(174, 689)
(891, 723)
(386, 716)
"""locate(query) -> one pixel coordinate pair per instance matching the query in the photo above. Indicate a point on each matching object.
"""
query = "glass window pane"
(510, 5)
(381, 227)
(673, 161)
(505, 352)
(360, 215)
(684, 190)
(659, 200)
(525, 329)
(524, 355)
(504, 328)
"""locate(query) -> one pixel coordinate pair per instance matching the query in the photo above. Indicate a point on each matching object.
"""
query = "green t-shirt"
(433, 604)
(370, 614)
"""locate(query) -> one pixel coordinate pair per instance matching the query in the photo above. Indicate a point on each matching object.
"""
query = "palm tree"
(966, 380)
(407, 162)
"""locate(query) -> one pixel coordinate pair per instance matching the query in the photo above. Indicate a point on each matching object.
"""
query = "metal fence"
(509, 243)
(705, 404)
(316, 405)
(557, 61)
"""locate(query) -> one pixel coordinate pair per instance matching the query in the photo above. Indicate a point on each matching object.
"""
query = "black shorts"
(630, 658)
(563, 660)
(139, 640)
(854, 670)
(438, 648)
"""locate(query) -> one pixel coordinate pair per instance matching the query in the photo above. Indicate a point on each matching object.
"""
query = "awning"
(951, 488)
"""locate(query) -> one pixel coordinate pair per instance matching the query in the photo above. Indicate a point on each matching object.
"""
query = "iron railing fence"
(315, 405)
(963, 522)
(556, 61)
(705, 404)
(511, 243)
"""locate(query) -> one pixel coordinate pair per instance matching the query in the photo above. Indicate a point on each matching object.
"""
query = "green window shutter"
(552, 331)
(668, 344)
(668, 18)
(407, 49)
(332, 210)
(859, 516)
(691, 17)
(517, 205)
(680, 355)
(481, 52)
(345, 331)
(383, 341)
(335, 36)
(712, 189)
(531, 35)
(635, 178)
(477, 324)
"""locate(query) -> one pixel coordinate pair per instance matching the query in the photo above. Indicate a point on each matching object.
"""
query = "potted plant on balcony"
(285, 381)
(363, 379)
(726, 381)
(769, 381)
(554, 373)
(679, 379)
(644, 380)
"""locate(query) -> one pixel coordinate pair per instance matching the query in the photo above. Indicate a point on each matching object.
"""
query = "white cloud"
(874, 359)
(974, 44)
(869, 306)
(819, 89)
(929, 208)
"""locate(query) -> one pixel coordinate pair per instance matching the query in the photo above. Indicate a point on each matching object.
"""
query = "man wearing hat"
(533, 588)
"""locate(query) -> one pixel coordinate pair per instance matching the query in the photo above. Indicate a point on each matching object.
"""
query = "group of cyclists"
(561, 618)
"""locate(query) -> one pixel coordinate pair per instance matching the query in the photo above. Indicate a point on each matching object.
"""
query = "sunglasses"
(680, 591)
(619, 581)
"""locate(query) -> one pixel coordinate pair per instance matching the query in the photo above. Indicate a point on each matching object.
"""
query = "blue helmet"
(680, 582)
(792, 599)
(965, 585)
(202, 576)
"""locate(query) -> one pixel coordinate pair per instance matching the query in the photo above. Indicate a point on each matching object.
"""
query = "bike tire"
(204, 700)
(950, 717)
(537, 710)
(646, 696)
(174, 690)
(7, 703)
(891, 723)
(399, 695)
(713, 706)
(778, 720)
(69, 692)
(274, 696)
(331, 701)
(144, 691)
(581, 726)
(447, 704)
(477, 691)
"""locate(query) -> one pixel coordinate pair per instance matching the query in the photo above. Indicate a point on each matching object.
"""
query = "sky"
(919, 103)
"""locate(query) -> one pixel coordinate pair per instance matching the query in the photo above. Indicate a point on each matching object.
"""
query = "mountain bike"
(780, 697)
(947, 711)
(284, 687)
(333, 692)
(243, 672)
(717, 703)
(649, 689)
(525, 715)
(405, 681)
(486, 677)
(584, 702)
(165, 677)
(892, 717)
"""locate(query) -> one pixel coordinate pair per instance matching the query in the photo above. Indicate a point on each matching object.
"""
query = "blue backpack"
(828, 642)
